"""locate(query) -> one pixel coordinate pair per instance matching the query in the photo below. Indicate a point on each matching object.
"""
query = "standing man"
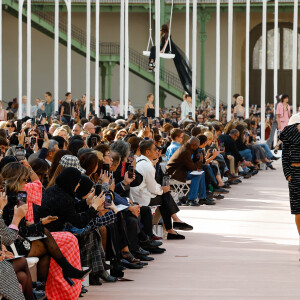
(49, 105)
(24, 106)
(67, 109)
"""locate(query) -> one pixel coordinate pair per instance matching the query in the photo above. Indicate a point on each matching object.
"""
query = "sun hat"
(71, 161)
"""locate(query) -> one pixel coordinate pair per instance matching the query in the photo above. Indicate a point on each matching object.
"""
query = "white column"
(28, 108)
(69, 50)
(247, 67)
(275, 79)
(88, 57)
(157, 61)
(97, 32)
(122, 17)
(218, 44)
(187, 29)
(229, 66)
(20, 60)
(1, 93)
(56, 53)
(126, 73)
(295, 61)
(194, 57)
(263, 69)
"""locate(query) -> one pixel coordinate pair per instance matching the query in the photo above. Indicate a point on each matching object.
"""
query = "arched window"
(285, 45)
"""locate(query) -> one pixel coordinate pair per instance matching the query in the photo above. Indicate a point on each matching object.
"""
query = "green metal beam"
(143, 7)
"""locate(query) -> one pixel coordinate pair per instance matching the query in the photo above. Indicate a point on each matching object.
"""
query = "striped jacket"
(290, 138)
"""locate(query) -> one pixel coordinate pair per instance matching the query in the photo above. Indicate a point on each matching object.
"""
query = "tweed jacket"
(290, 138)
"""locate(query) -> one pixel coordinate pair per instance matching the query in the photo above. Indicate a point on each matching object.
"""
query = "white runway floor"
(244, 247)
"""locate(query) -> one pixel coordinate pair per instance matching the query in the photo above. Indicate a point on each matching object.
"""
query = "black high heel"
(70, 272)
(269, 165)
(80, 276)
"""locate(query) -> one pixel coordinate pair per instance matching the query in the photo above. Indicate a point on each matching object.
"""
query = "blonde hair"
(14, 174)
(58, 130)
(209, 135)
(58, 170)
(2, 124)
(239, 98)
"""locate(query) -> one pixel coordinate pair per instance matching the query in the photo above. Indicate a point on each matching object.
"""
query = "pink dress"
(284, 115)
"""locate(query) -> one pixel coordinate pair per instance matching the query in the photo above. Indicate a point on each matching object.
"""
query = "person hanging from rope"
(180, 60)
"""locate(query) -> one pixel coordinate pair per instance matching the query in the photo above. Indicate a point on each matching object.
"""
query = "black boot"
(70, 272)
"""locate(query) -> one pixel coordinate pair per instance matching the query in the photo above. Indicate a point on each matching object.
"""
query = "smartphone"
(130, 158)
(128, 113)
(98, 189)
(164, 135)
(145, 122)
(246, 135)
(3, 188)
(198, 153)
(32, 121)
(190, 115)
(21, 198)
(222, 147)
(130, 171)
(235, 115)
(32, 141)
(7, 133)
(19, 125)
(106, 168)
(93, 142)
(20, 153)
(166, 181)
(108, 114)
(108, 200)
(41, 130)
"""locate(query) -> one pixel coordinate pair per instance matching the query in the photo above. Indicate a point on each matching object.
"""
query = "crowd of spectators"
(80, 191)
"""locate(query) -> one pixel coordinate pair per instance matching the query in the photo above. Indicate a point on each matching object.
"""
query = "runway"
(244, 247)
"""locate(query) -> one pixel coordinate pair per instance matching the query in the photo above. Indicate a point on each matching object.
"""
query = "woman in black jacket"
(59, 200)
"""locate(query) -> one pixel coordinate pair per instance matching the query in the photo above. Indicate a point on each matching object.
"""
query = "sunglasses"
(9, 126)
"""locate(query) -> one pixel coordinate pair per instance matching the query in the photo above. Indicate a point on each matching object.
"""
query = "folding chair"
(179, 189)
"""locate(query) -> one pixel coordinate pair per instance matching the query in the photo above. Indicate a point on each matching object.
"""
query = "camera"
(93, 142)
(98, 189)
(32, 141)
(105, 168)
(21, 198)
(130, 171)
(145, 122)
(108, 200)
(19, 125)
(166, 181)
(20, 153)
(41, 130)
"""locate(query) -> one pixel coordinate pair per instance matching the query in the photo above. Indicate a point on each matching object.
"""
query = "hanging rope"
(150, 28)
(170, 28)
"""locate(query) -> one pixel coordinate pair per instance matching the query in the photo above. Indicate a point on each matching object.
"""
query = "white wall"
(43, 51)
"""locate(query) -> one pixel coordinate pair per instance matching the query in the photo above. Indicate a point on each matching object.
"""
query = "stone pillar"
(103, 79)
(203, 17)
